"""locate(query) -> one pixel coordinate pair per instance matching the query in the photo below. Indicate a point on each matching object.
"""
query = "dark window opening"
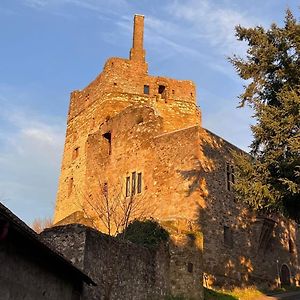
(127, 186)
(192, 94)
(161, 89)
(173, 92)
(266, 233)
(133, 183)
(115, 84)
(70, 186)
(229, 176)
(107, 136)
(146, 89)
(190, 267)
(228, 238)
(75, 153)
(139, 183)
(291, 246)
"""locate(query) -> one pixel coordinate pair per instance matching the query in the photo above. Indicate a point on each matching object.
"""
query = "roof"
(19, 226)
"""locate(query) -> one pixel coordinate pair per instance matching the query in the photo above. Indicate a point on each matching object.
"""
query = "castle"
(135, 137)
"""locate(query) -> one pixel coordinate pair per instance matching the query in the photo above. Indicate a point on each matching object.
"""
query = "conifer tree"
(270, 179)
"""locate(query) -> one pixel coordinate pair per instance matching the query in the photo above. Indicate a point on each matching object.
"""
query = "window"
(107, 137)
(146, 89)
(139, 183)
(266, 233)
(229, 176)
(161, 89)
(190, 267)
(228, 238)
(133, 183)
(70, 186)
(127, 186)
(291, 246)
(75, 153)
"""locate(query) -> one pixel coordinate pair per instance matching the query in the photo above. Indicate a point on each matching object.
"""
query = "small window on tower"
(146, 89)
(133, 183)
(139, 183)
(107, 137)
(75, 153)
(70, 186)
(229, 176)
(161, 89)
(127, 186)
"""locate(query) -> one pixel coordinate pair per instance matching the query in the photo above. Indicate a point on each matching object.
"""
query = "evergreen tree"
(270, 179)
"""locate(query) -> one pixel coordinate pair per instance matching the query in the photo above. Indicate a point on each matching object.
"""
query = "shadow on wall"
(241, 248)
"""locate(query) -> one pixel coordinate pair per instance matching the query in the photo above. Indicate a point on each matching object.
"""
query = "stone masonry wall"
(123, 270)
(120, 85)
(244, 261)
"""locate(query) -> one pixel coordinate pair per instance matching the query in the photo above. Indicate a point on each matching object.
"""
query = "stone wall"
(123, 270)
(26, 272)
(246, 260)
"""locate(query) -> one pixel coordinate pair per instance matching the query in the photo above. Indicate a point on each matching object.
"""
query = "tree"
(106, 208)
(38, 225)
(270, 179)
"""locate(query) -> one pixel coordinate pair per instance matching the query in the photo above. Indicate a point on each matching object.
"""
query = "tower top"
(137, 52)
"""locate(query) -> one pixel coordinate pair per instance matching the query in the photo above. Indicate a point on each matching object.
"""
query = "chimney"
(137, 52)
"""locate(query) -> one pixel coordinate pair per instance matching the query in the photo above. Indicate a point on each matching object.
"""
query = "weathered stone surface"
(123, 270)
(183, 167)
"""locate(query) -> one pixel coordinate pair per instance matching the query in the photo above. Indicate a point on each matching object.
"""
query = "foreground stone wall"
(123, 270)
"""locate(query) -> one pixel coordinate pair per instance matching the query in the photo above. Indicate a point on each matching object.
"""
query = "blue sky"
(51, 47)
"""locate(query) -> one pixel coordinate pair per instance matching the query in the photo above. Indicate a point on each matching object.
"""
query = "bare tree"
(109, 209)
(38, 224)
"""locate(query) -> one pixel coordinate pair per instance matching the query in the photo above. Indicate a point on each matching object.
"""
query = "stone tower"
(119, 134)
(135, 137)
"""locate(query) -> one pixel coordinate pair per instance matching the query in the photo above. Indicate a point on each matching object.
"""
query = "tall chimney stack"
(137, 52)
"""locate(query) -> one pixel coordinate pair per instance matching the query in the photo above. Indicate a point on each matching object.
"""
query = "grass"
(236, 294)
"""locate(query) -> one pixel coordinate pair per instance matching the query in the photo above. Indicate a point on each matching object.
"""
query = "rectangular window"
(75, 153)
(127, 186)
(229, 176)
(161, 89)
(133, 183)
(139, 183)
(70, 186)
(266, 233)
(107, 137)
(228, 238)
(146, 89)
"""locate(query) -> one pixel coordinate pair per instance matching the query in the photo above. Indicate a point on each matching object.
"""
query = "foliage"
(270, 180)
(38, 225)
(147, 233)
(250, 293)
(214, 295)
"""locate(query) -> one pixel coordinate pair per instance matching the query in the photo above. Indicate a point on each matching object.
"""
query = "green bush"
(146, 233)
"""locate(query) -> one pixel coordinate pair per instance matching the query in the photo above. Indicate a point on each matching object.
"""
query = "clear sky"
(51, 47)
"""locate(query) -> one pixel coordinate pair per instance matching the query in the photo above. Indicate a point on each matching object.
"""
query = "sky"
(52, 47)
